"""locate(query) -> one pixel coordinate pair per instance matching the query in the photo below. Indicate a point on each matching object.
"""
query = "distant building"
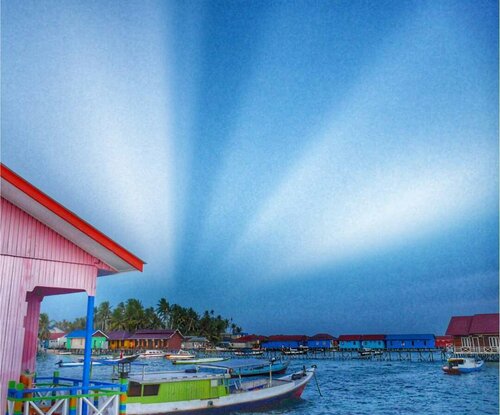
(157, 339)
(76, 340)
(322, 341)
(248, 342)
(56, 341)
(285, 341)
(350, 341)
(410, 341)
(195, 343)
(443, 342)
(475, 334)
(120, 340)
(373, 341)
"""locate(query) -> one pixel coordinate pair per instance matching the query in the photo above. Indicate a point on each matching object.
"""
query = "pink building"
(45, 250)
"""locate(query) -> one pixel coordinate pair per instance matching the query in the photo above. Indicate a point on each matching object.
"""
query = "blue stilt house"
(410, 341)
(284, 342)
(350, 341)
(321, 341)
(373, 341)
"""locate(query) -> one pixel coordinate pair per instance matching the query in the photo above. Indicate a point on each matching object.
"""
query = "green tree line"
(131, 315)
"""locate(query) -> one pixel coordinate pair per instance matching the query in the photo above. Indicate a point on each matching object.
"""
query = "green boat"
(206, 393)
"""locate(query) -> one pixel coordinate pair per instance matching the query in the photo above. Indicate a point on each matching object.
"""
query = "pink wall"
(34, 261)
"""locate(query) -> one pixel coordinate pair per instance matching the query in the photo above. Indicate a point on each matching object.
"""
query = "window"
(134, 389)
(151, 390)
(466, 342)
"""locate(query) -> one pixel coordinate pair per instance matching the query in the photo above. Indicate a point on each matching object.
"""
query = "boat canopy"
(238, 363)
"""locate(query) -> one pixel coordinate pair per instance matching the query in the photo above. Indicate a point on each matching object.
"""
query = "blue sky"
(302, 167)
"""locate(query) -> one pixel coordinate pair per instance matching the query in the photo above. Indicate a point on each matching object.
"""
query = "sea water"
(361, 387)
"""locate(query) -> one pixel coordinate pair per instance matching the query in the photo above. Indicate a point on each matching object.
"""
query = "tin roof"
(55, 336)
(37, 204)
(322, 336)
(373, 337)
(118, 335)
(77, 334)
(154, 334)
(250, 338)
(459, 326)
(349, 337)
(484, 324)
(409, 337)
(287, 337)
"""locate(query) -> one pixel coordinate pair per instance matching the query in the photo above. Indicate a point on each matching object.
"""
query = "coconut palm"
(44, 327)
(163, 310)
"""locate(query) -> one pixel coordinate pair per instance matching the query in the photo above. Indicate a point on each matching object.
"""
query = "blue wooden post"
(87, 356)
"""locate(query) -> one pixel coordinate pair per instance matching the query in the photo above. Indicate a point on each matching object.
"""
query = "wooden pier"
(412, 355)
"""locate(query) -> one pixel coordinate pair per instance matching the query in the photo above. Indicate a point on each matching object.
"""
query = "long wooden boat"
(180, 355)
(204, 393)
(249, 353)
(200, 361)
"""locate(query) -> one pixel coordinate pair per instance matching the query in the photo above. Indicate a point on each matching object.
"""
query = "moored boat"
(291, 351)
(152, 353)
(180, 355)
(459, 365)
(203, 360)
(251, 367)
(205, 393)
(249, 352)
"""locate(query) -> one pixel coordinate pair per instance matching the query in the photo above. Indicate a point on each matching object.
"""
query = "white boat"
(459, 365)
(198, 393)
(151, 353)
(180, 355)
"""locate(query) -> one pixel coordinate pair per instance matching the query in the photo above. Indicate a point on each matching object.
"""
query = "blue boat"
(250, 367)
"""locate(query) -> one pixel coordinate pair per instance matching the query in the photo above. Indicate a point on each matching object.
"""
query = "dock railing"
(66, 396)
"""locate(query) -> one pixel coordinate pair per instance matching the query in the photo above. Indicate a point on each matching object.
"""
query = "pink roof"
(55, 336)
(45, 209)
(484, 324)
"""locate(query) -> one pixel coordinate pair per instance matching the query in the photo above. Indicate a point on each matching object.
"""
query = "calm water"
(368, 387)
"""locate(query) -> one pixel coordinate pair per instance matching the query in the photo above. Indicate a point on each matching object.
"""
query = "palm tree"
(118, 320)
(134, 314)
(163, 310)
(44, 327)
(103, 316)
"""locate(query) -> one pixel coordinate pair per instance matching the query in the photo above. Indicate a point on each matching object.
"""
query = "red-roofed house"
(350, 341)
(157, 339)
(250, 341)
(56, 341)
(475, 334)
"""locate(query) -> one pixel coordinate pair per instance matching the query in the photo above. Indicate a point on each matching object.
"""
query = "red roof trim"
(70, 217)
